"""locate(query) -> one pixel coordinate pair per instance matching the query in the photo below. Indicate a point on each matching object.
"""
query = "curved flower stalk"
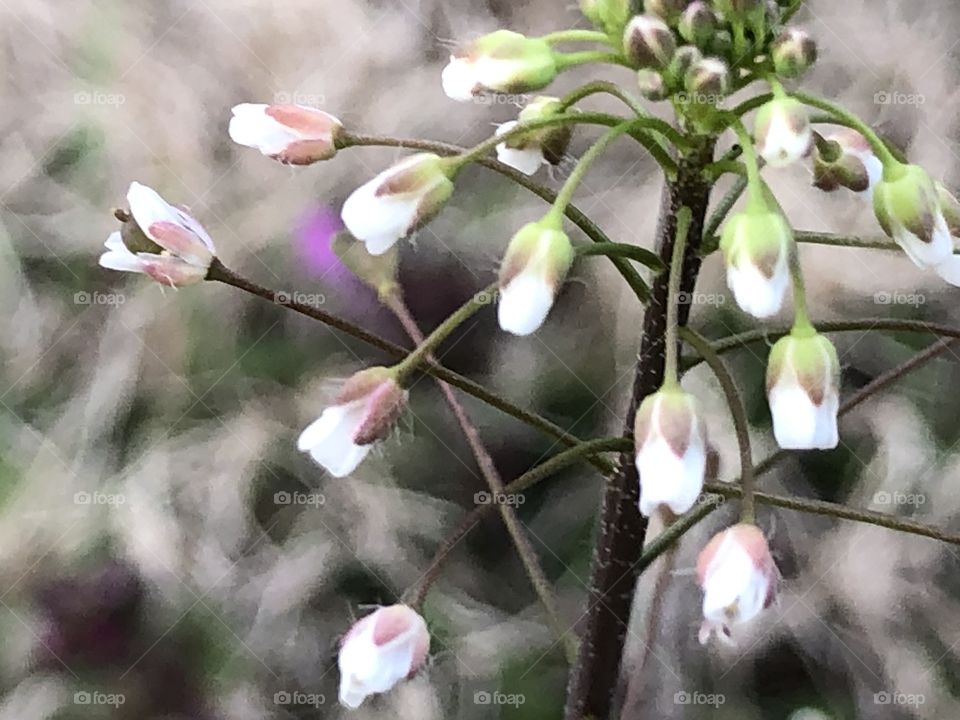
(384, 648)
(844, 158)
(364, 412)
(159, 240)
(290, 134)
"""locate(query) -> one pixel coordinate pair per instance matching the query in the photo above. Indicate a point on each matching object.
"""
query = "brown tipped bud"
(698, 24)
(793, 53)
(708, 81)
(648, 42)
(652, 85)
(669, 10)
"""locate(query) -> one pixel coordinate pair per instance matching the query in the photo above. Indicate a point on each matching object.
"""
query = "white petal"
(668, 480)
(252, 127)
(926, 255)
(949, 270)
(526, 160)
(147, 207)
(794, 417)
(119, 257)
(459, 80)
(755, 293)
(524, 304)
(783, 146)
(329, 439)
(734, 589)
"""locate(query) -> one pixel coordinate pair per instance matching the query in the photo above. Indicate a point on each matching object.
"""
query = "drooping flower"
(398, 201)
(908, 209)
(756, 246)
(739, 580)
(364, 412)
(528, 151)
(535, 266)
(844, 158)
(501, 62)
(803, 389)
(382, 649)
(291, 134)
(671, 441)
(782, 131)
(159, 240)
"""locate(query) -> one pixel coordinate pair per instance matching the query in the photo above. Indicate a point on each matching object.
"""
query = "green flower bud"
(552, 141)
(648, 42)
(908, 209)
(611, 16)
(793, 52)
(845, 159)
(708, 81)
(669, 10)
(742, 10)
(652, 85)
(503, 62)
(698, 24)
(683, 59)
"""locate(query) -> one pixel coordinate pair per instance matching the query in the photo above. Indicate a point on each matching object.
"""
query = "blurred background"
(165, 552)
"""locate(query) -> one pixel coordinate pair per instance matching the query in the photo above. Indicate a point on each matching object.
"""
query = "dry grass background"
(199, 597)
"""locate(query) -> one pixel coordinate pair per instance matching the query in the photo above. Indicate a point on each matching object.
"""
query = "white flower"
(782, 133)
(397, 202)
(292, 134)
(803, 389)
(909, 211)
(756, 247)
(534, 268)
(739, 580)
(527, 159)
(364, 412)
(167, 243)
(671, 442)
(502, 61)
(385, 647)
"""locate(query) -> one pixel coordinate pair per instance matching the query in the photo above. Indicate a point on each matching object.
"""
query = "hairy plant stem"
(622, 529)
(528, 555)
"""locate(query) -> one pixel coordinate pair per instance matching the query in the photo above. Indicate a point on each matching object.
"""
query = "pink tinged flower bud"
(398, 201)
(501, 62)
(291, 134)
(757, 247)
(844, 158)
(159, 240)
(379, 651)
(648, 43)
(364, 412)
(535, 266)
(909, 211)
(782, 132)
(671, 442)
(739, 580)
(793, 53)
(803, 389)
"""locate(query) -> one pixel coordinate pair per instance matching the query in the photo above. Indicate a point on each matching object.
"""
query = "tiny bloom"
(671, 441)
(534, 268)
(844, 158)
(159, 240)
(908, 209)
(380, 650)
(292, 134)
(782, 131)
(529, 150)
(793, 52)
(739, 580)
(648, 42)
(803, 389)
(398, 201)
(364, 412)
(501, 62)
(756, 246)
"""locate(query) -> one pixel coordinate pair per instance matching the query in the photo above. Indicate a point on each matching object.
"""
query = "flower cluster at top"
(694, 55)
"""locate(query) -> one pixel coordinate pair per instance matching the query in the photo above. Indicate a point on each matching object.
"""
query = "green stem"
(724, 208)
(802, 327)
(423, 351)
(756, 200)
(633, 252)
(576, 35)
(565, 61)
(603, 86)
(740, 423)
(671, 376)
(879, 147)
(816, 238)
